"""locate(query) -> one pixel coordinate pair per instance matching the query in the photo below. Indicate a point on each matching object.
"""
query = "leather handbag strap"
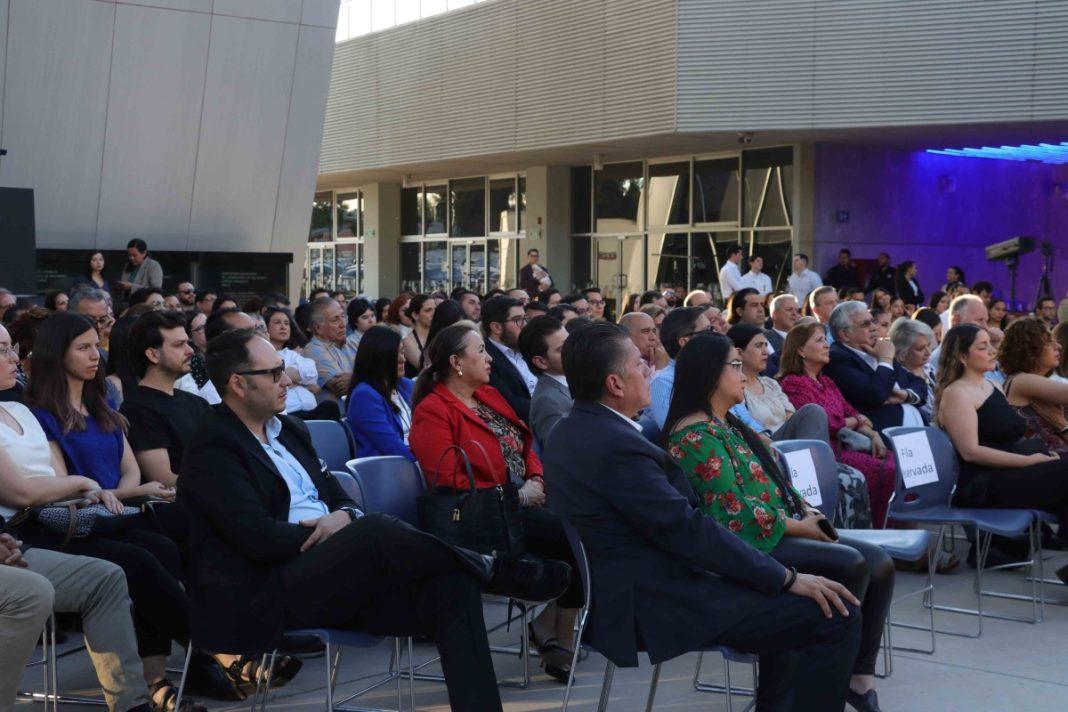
(72, 524)
(467, 466)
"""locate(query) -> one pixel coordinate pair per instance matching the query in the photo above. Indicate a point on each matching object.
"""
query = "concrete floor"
(1013, 666)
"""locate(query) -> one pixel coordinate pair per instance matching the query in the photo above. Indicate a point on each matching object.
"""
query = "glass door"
(620, 269)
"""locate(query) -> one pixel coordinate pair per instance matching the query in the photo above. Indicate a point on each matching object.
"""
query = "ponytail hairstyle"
(449, 342)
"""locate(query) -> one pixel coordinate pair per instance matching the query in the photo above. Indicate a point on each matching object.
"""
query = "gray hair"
(86, 295)
(777, 302)
(318, 309)
(626, 319)
(5, 290)
(903, 333)
(842, 316)
(959, 304)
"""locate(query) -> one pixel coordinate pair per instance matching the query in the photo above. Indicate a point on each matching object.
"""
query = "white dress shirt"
(633, 423)
(758, 281)
(304, 502)
(297, 396)
(730, 279)
(800, 284)
(520, 364)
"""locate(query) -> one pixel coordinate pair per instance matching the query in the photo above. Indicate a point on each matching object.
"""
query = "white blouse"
(297, 396)
(770, 408)
(29, 449)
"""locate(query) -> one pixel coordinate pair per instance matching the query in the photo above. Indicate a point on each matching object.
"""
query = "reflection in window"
(328, 267)
(411, 210)
(435, 260)
(458, 265)
(350, 215)
(581, 262)
(581, 209)
(348, 267)
(467, 199)
(476, 275)
(669, 193)
(521, 224)
(435, 209)
(768, 180)
(669, 259)
(411, 267)
(493, 263)
(322, 225)
(715, 187)
(503, 205)
(617, 191)
(776, 247)
(704, 270)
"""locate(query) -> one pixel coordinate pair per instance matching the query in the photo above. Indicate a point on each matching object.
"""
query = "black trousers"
(543, 536)
(324, 410)
(805, 658)
(385, 577)
(1043, 486)
(865, 569)
(153, 571)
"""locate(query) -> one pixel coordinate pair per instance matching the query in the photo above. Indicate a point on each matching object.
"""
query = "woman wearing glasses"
(804, 354)
(739, 483)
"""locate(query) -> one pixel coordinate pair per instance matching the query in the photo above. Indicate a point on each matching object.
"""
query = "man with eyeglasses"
(276, 543)
(596, 301)
(503, 319)
(95, 304)
(577, 302)
(187, 295)
(866, 372)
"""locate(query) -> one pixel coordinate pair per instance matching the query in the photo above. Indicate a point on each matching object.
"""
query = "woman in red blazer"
(455, 405)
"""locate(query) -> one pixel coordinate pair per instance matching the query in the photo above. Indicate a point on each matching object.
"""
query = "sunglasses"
(275, 373)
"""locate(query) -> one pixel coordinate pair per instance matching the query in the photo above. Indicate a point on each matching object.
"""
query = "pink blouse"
(802, 390)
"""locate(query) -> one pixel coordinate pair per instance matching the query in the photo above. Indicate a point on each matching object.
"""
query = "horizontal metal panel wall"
(501, 76)
(827, 63)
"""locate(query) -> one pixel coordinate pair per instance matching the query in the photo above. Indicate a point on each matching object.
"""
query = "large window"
(336, 236)
(617, 199)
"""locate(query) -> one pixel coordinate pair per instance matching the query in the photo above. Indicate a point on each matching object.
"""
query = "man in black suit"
(865, 370)
(667, 579)
(277, 545)
(845, 273)
(534, 278)
(503, 318)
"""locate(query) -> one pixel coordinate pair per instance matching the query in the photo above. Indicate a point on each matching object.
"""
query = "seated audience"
(446, 314)
(455, 404)
(882, 299)
(939, 302)
(746, 305)
(1028, 355)
(533, 309)
(913, 342)
(999, 466)
(965, 309)
(697, 298)
(645, 334)
(56, 300)
(502, 321)
(470, 304)
(998, 312)
(360, 317)
(151, 296)
(596, 302)
(520, 295)
(1060, 335)
(631, 304)
(563, 313)
(648, 544)
(397, 314)
(739, 483)
(578, 303)
(1046, 310)
(204, 300)
(95, 304)
(898, 308)
(982, 289)
(805, 354)
(549, 297)
(328, 348)
(862, 365)
(295, 550)
(541, 343)
(225, 302)
(381, 305)
(882, 322)
(928, 316)
(420, 311)
(380, 405)
(784, 314)
(822, 301)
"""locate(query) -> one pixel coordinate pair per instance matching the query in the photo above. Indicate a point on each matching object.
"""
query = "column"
(548, 221)
(381, 249)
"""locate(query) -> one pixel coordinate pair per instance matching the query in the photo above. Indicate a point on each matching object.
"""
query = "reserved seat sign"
(913, 453)
(803, 475)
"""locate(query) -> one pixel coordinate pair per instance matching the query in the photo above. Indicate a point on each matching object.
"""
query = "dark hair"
(448, 343)
(982, 286)
(845, 250)
(741, 334)
(577, 323)
(302, 315)
(803, 256)
(200, 294)
(733, 250)
(530, 306)
(790, 361)
(990, 308)
(226, 355)
(544, 297)
(676, 323)
(532, 250)
(376, 362)
(955, 343)
(393, 313)
(141, 295)
(496, 291)
(1022, 346)
(448, 313)
(532, 340)
(23, 331)
(146, 333)
(560, 311)
(138, 244)
(458, 293)
(590, 355)
(416, 305)
(381, 304)
(495, 311)
(903, 268)
(89, 269)
(737, 302)
(275, 299)
(935, 299)
(648, 297)
(928, 316)
(1060, 335)
(356, 309)
(338, 292)
(1044, 298)
(216, 323)
(221, 299)
(253, 305)
(297, 338)
(317, 290)
(48, 388)
(50, 300)
(590, 290)
(960, 273)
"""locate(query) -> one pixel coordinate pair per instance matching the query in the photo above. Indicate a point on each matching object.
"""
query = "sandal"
(555, 658)
(170, 697)
(245, 671)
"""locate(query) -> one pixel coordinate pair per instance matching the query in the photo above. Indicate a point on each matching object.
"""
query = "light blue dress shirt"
(660, 394)
(304, 502)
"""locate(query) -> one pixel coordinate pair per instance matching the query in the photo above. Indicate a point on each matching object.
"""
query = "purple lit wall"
(940, 210)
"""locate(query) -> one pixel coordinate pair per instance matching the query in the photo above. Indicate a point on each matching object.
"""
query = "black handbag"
(484, 520)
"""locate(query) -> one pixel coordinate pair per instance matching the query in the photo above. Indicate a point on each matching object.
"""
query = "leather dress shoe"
(868, 702)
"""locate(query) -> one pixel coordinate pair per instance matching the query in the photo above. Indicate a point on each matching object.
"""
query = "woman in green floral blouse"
(740, 484)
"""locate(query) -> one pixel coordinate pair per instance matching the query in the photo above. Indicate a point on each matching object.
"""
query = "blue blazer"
(867, 390)
(373, 423)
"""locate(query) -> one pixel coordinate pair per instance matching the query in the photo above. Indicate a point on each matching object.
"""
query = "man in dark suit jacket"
(532, 274)
(864, 369)
(277, 545)
(785, 311)
(667, 579)
(503, 318)
(542, 343)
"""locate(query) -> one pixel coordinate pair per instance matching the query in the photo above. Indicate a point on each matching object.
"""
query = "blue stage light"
(1043, 152)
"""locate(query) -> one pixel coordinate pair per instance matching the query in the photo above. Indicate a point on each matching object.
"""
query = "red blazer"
(441, 420)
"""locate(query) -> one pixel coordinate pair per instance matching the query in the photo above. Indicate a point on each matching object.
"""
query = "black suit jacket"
(865, 389)
(908, 294)
(240, 536)
(666, 577)
(507, 379)
(881, 279)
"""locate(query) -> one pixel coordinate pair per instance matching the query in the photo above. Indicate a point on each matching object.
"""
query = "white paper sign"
(803, 475)
(913, 453)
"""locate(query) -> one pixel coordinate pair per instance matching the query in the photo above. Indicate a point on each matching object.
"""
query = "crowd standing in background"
(625, 415)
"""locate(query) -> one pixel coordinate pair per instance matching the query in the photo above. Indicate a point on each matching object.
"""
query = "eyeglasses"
(518, 320)
(275, 373)
(582, 311)
(195, 329)
(9, 351)
(186, 291)
(261, 329)
(709, 330)
(736, 365)
(595, 302)
(104, 320)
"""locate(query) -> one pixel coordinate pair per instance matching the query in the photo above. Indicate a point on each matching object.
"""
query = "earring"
(460, 372)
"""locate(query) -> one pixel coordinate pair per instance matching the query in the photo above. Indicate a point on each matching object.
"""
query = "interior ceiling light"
(1043, 152)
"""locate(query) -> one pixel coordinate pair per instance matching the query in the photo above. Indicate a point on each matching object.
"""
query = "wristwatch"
(353, 513)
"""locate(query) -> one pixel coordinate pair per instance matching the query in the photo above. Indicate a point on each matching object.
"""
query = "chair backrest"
(349, 486)
(332, 441)
(389, 484)
(650, 429)
(582, 561)
(814, 472)
(926, 465)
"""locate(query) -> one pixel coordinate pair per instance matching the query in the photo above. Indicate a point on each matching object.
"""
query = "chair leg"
(606, 686)
(411, 674)
(727, 684)
(185, 674)
(697, 672)
(580, 625)
(397, 652)
(652, 688)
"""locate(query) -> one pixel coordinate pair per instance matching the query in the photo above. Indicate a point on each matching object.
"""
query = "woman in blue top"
(380, 404)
